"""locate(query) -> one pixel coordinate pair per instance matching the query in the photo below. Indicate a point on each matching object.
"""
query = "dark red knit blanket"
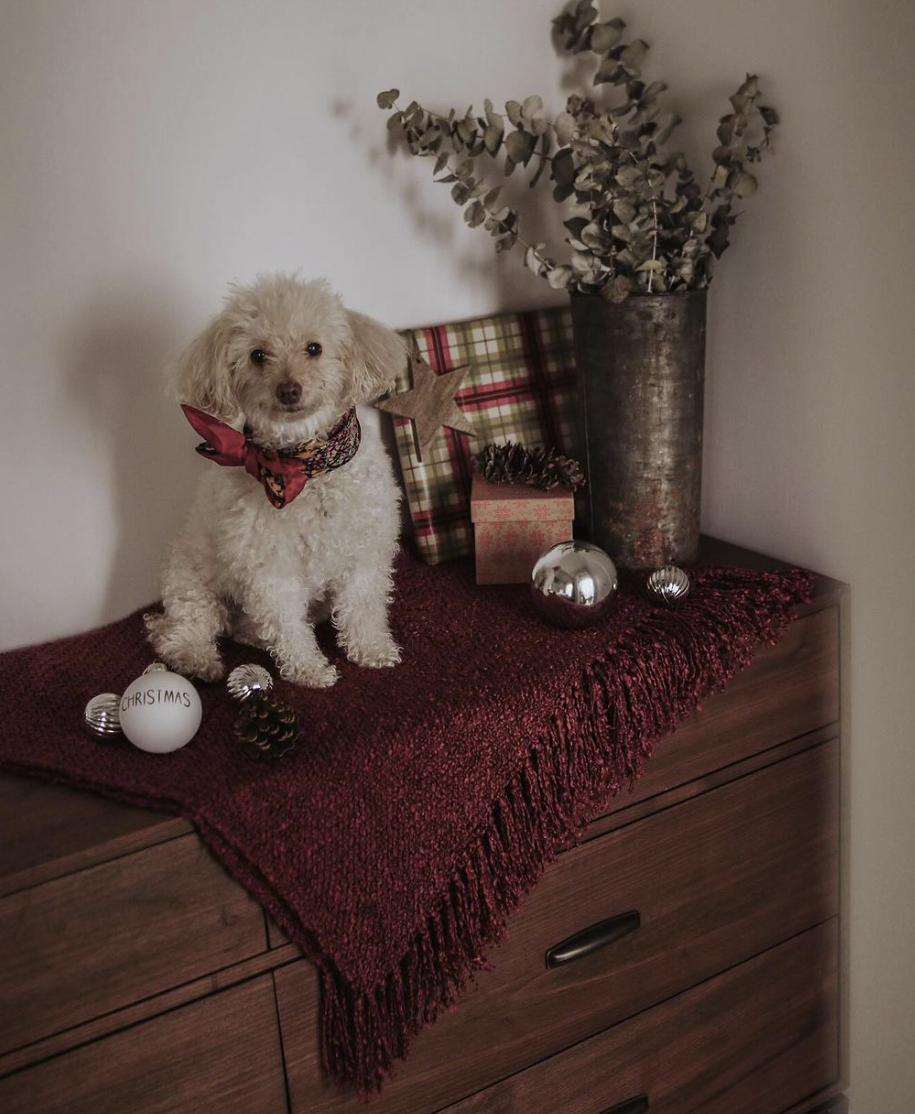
(422, 801)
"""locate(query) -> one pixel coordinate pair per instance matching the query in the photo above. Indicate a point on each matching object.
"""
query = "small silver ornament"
(155, 667)
(573, 584)
(102, 715)
(246, 680)
(669, 584)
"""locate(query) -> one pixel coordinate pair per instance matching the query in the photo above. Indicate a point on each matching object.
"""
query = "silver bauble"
(573, 584)
(669, 584)
(246, 680)
(102, 715)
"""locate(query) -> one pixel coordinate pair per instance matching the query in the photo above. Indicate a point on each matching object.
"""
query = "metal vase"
(641, 374)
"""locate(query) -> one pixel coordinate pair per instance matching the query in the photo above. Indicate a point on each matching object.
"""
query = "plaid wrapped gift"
(521, 387)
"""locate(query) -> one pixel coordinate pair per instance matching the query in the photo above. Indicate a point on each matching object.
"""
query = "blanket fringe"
(593, 747)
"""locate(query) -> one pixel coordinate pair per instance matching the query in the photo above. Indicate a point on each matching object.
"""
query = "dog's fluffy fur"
(243, 567)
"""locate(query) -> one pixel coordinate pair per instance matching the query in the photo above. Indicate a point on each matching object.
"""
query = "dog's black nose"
(289, 392)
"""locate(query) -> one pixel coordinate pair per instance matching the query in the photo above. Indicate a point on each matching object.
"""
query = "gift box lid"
(491, 502)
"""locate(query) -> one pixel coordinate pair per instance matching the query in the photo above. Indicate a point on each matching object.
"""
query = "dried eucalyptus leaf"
(610, 71)
(628, 176)
(617, 289)
(565, 128)
(743, 184)
(532, 107)
(604, 36)
(387, 98)
(624, 209)
(492, 138)
(519, 146)
(467, 129)
(460, 193)
(634, 54)
(533, 261)
(513, 108)
(750, 87)
(560, 278)
(475, 214)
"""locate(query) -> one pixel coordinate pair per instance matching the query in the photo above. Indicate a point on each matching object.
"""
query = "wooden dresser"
(137, 977)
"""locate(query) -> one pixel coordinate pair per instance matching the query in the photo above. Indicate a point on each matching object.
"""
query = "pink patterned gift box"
(513, 524)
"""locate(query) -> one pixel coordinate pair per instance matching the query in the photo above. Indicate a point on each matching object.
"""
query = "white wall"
(151, 150)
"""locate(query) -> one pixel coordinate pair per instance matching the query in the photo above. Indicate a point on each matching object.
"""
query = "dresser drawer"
(789, 690)
(755, 1040)
(104, 937)
(715, 880)
(218, 1056)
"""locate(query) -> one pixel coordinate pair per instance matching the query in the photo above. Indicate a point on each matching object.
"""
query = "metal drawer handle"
(631, 1106)
(590, 940)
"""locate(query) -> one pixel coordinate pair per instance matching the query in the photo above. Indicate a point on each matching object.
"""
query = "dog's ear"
(377, 357)
(201, 376)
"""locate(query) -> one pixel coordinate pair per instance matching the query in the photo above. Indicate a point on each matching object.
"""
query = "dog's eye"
(259, 357)
(313, 349)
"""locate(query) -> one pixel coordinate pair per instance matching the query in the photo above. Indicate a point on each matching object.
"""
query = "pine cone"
(513, 463)
(266, 727)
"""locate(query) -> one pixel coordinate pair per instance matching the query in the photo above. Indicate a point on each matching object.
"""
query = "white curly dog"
(286, 359)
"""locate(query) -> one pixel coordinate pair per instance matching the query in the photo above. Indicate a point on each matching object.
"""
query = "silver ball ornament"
(668, 585)
(573, 585)
(246, 680)
(102, 716)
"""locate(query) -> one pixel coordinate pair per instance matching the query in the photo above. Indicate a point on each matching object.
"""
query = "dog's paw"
(190, 659)
(311, 675)
(379, 655)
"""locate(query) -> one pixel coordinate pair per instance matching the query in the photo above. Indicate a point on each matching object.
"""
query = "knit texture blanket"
(422, 801)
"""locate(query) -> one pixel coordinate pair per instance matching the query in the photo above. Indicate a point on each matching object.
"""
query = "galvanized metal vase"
(641, 375)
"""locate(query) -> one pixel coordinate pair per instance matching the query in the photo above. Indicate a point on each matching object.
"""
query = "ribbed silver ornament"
(669, 584)
(102, 715)
(246, 680)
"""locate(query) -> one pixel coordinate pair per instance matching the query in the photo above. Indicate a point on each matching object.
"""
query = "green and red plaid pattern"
(521, 388)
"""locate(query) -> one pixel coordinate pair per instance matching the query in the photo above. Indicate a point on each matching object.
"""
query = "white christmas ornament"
(160, 712)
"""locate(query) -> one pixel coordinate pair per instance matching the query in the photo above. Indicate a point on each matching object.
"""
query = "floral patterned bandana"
(282, 472)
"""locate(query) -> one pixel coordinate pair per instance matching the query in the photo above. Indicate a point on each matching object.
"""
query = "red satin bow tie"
(282, 472)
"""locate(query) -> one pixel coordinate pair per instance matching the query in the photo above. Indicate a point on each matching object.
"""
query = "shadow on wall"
(115, 385)
(505, 276)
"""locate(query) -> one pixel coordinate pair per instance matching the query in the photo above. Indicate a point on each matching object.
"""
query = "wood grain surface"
(218, 1056)
(52, 830)
(716, 880)
(789, 690)
(104, 937)
(754, 1040)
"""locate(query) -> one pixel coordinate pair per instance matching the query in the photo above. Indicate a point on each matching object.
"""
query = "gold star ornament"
(430, 402)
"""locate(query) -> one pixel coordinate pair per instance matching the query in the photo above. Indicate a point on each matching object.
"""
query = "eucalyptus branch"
(638, 219)
(481, 194)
